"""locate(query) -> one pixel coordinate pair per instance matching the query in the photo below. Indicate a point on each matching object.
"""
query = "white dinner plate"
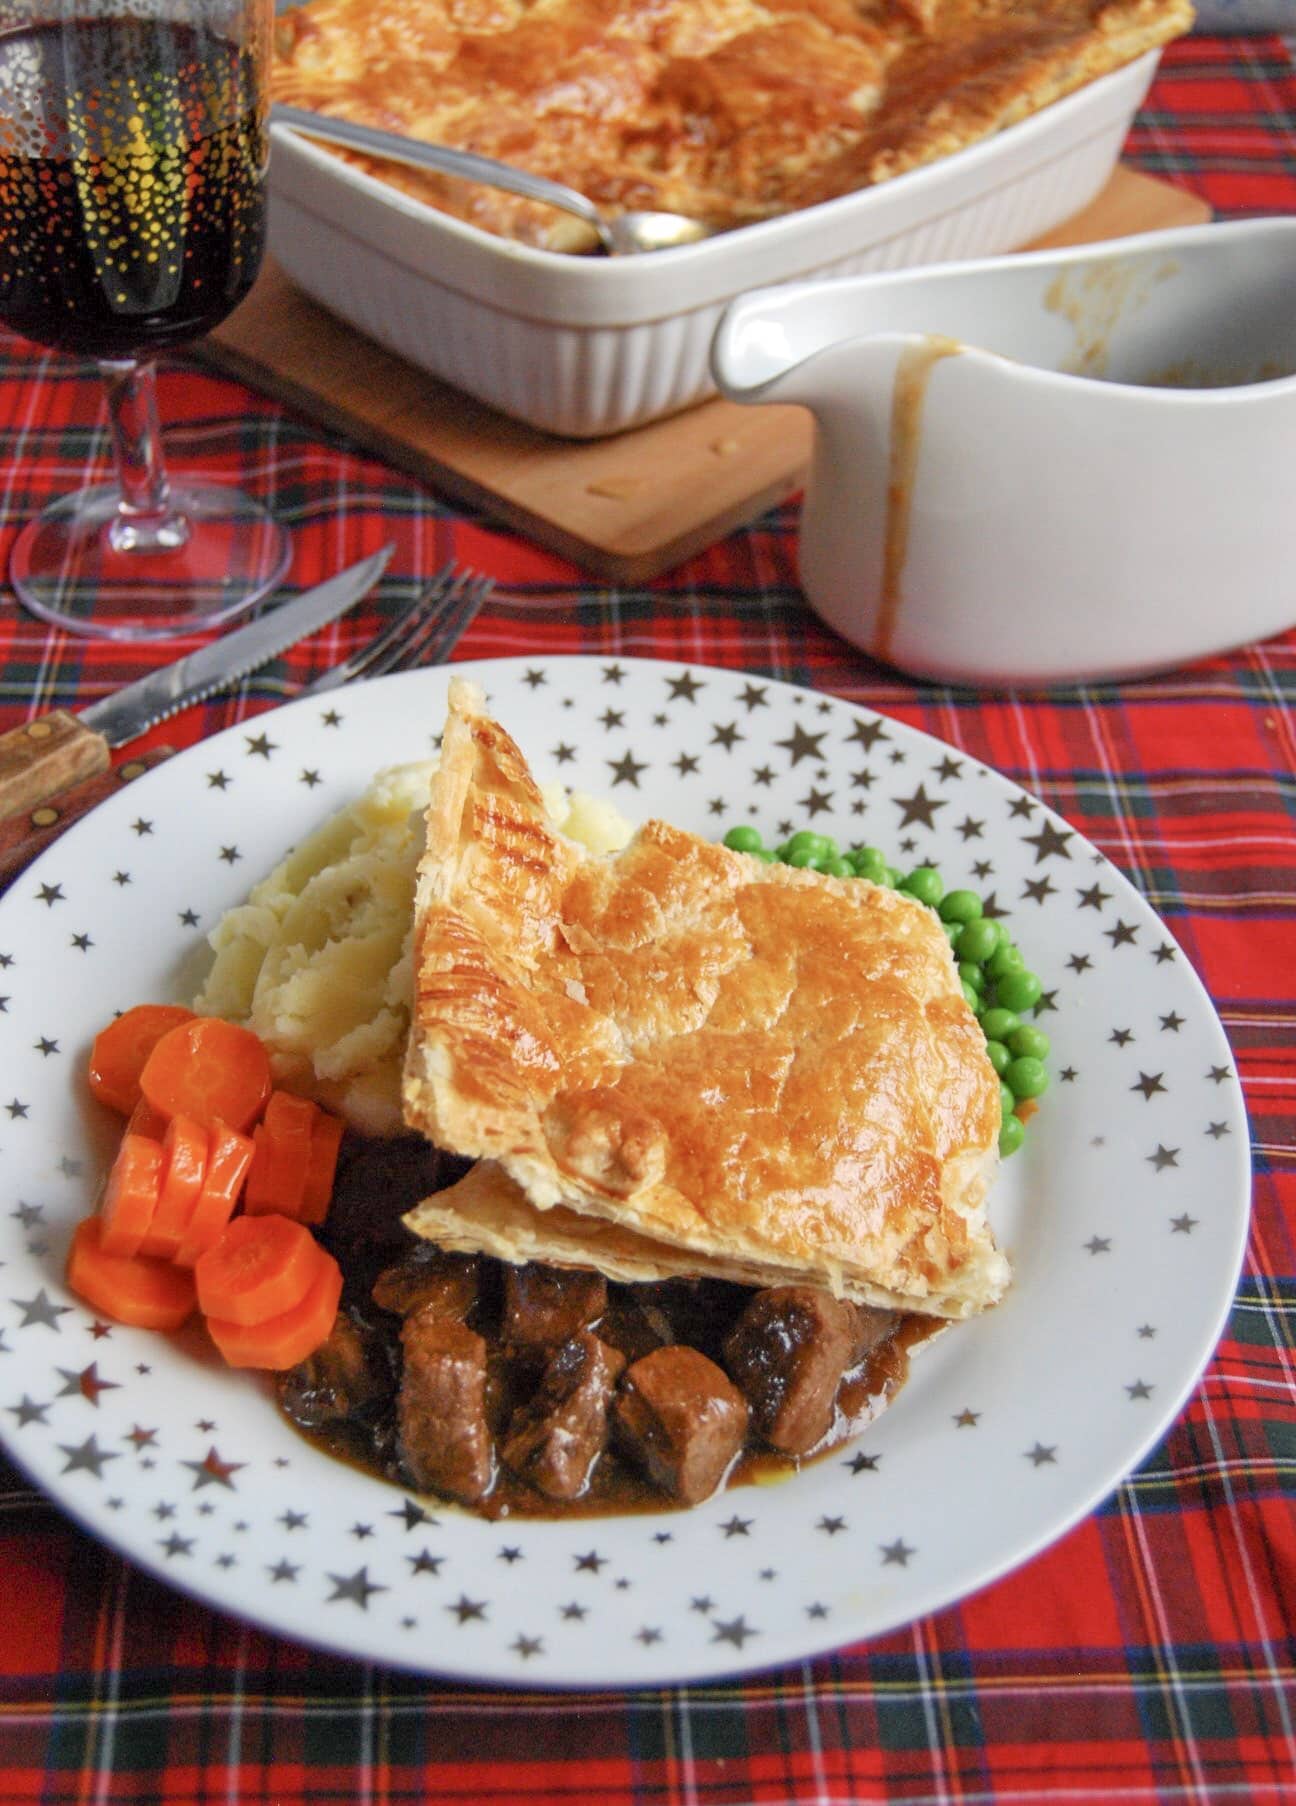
(1124, 1214)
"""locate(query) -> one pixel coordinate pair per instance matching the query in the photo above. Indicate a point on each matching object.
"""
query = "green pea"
(1007, 1099)
(804, 858)
(977, 939)
(744, 840)
(999, 1023)
(767, 855)
(1012, 1132)
(1019, 990)
(998, 1056)
(925, 884)
(805, 840)
(960, 906)
(1006, 959)
(1026, 1077)
(869, 862)
(970, 996)
(971, 974)
(952, 931)
(838, 867)
(893, 877)
(1029, 1041)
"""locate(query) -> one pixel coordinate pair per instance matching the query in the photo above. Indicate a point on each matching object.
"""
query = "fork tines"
(425, 631)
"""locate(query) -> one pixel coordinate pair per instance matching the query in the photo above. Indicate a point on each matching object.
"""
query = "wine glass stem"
(146, 520)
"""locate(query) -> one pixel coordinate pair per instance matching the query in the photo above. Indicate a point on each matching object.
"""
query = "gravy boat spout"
(1058, 466)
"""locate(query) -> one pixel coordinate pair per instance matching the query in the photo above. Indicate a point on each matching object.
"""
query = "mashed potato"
(318, 960)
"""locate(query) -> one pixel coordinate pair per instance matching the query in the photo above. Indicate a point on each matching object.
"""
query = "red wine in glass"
(133, 152)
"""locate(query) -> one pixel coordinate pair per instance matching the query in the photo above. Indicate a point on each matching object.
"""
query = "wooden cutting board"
(625, 508)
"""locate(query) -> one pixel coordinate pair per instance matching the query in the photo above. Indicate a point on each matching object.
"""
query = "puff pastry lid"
(742, 1068)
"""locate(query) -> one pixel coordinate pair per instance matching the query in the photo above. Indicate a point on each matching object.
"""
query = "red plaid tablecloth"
(1148, 1656)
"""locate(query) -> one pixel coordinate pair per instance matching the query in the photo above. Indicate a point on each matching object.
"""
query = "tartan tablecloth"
(1148, 1656)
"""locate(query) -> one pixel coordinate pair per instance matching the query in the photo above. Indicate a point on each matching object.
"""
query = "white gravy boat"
(1063, 465)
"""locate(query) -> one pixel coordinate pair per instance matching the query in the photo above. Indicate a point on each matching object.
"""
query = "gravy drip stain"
(1098, 301)
(907, 397)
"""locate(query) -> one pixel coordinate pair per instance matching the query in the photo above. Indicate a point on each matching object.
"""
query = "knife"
(59, 749)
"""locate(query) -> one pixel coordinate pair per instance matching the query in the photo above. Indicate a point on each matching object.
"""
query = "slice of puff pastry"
(735, 1067)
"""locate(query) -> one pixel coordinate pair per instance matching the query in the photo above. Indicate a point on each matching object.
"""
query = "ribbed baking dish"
(588, 346)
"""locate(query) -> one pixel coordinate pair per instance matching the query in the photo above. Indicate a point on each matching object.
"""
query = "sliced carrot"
(129, 1288)
(277, 1182)
(280, 1342)
(131, 1194)
(145, 1120)
(259, 1267)
(228, 1158)
(184, 1167)
(120, 1051)
(326, 1139)
(258, 1200)
(208, 1069)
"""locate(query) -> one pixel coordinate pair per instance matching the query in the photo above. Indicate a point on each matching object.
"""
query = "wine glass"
(133, 150)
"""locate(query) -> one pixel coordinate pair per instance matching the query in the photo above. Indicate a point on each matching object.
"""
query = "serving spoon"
(620, 235)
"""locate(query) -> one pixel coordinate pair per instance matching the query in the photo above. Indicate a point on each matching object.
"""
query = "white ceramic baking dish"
(586, 346)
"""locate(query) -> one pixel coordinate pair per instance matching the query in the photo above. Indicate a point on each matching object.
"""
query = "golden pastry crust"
(487, 1212)
(727, 110)
(741, 1062)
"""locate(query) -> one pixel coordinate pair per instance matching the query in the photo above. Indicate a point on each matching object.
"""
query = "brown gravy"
(378, 1181)
(617, 1488)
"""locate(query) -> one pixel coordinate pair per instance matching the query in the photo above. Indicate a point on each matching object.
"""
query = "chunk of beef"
(700, 1312)
(444, 1438)
(871, 1327)
(346, 1374)
(679, 1416)
(788, 1352)
(633, 1323)
(428, 1279)
(550, 1304)
(555, 1439)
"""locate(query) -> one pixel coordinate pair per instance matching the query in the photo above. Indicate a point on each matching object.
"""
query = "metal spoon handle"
(422, 155)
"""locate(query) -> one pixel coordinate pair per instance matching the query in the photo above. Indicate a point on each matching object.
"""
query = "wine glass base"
(67, 568)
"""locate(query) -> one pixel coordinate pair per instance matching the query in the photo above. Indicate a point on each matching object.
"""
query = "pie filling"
(540, 1390)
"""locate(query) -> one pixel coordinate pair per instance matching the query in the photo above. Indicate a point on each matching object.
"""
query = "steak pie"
(680, 1061)
(726, 110)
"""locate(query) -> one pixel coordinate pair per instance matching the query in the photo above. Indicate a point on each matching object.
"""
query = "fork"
(425, 632)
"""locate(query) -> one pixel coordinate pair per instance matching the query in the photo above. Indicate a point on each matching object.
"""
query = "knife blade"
(59, 749)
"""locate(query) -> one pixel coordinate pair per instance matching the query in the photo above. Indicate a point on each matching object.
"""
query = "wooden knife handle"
(45, 756)
(23, 836)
